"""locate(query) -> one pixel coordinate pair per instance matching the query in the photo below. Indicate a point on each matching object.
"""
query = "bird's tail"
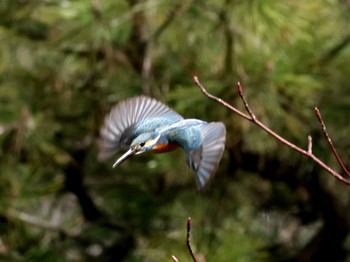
(205, 160)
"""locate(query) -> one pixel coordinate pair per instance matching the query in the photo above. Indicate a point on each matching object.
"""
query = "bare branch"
(189, 224)
(255, 121)
(329, 140)
(219, 100)
(188, 243)
(251, 117)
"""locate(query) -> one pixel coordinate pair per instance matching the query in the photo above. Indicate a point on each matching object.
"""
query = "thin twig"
(189, 224)
(309, 147)
(330, 143)
(251, 117)
(219, 100)
(245, 102)
(174, 258)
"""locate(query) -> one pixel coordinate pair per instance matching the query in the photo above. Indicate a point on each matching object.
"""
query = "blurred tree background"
(65, 63)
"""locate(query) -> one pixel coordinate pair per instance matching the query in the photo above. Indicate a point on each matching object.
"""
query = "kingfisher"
(140, 124)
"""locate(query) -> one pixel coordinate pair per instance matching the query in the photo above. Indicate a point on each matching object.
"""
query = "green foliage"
(63, 64)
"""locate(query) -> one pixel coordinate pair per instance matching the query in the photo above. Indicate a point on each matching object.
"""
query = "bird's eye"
(142, 144)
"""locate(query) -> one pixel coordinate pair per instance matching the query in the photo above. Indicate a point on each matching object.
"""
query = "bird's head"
(139, 145)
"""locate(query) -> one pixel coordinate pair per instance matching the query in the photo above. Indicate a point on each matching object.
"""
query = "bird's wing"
(205, 160)
(118, 130)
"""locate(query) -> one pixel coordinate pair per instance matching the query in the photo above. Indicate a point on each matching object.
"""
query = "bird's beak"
(124, 157)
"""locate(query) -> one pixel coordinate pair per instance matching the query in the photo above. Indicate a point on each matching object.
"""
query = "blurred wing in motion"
(205, 160)
(119, 126)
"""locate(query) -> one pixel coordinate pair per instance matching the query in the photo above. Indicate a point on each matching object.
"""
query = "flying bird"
(140, 124)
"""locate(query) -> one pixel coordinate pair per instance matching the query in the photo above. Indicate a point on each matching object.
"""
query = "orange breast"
(163, 148)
